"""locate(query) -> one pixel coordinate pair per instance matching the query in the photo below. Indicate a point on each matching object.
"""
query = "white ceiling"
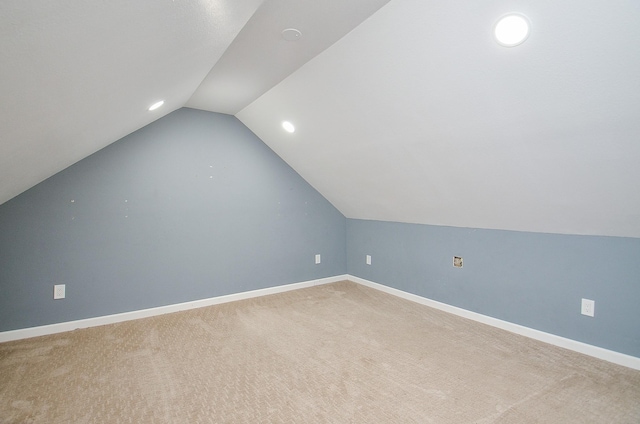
(419, 116)
(416, 115)
(260, 57)
(77, 75)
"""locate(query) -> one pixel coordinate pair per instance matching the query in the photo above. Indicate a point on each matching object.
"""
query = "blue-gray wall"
(532, 279)
(189, 207)
(195, 206)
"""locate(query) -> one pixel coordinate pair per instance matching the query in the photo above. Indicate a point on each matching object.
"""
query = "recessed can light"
(288, 126)
(291, 34)
(156, 105)
(511, 30)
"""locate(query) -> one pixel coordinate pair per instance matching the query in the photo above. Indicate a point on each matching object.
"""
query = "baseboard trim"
(25, 333)
(587, 349)
(584, 348)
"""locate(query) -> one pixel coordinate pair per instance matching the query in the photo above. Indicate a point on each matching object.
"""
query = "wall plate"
(59, 291)
(588, 307)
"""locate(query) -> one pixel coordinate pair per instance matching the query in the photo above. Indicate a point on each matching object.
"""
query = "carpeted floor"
(338, 353)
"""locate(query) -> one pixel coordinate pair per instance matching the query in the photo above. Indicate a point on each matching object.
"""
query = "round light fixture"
(291, 34)
(288, 126)
(511, 30)
(156, 105)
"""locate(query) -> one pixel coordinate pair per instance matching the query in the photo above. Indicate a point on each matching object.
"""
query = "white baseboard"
(597, 352)
(44, 330)
(587, 349)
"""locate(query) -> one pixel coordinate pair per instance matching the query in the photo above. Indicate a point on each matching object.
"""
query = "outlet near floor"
(59, 291)
(318, 259)
(588, 307)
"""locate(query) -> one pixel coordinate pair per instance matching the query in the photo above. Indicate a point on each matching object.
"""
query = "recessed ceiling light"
(291, 34)
(511, 30)
(288, 126)
(156, 105)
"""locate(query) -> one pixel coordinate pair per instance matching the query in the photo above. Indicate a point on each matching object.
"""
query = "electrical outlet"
(368, 259)
(457, 261)
(59, 291)
(588, 307)
(317, 259)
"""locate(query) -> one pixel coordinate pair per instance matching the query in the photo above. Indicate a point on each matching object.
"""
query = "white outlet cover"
(317, 259)
(59, 291)
(588, 307)
(368, 259)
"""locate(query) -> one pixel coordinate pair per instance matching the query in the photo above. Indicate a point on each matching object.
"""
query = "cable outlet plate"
(59, 291)
(588, 307)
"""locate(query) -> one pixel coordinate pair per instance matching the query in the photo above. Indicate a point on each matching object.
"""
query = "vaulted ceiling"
(405, 110)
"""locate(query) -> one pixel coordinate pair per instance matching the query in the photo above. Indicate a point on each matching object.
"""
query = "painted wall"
(189, 207)
(533, 279)
(195, 206)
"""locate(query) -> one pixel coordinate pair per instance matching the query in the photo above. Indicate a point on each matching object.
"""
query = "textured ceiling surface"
(405, 110)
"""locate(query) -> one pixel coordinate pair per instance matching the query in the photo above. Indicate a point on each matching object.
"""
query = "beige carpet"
(339, 353)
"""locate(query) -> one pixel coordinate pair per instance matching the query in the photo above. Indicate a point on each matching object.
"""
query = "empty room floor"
(336, 353)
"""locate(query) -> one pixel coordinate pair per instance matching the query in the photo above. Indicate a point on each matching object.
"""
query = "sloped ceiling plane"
(406, 111)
